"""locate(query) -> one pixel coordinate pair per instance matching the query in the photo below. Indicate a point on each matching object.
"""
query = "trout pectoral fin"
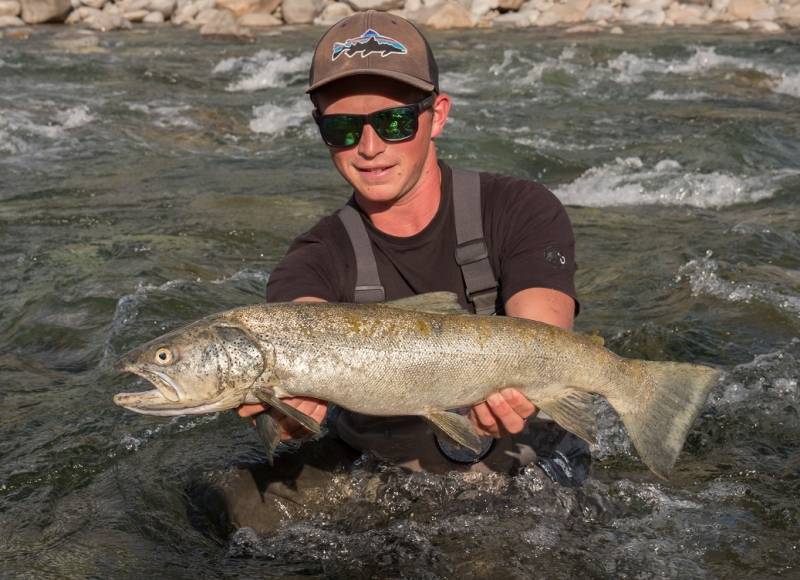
(267, 430)
(572, 409)
(456, 427)
(270, 399)
(432, 302)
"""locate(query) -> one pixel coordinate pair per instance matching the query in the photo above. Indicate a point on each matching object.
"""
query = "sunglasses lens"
(341, 130)
(395, 124)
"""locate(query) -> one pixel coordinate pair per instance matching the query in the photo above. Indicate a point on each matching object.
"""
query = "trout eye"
(163, 356)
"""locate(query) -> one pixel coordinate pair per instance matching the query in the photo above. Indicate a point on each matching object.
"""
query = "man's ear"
(441, 109)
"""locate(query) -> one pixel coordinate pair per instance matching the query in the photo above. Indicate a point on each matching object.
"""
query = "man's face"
(382, 172)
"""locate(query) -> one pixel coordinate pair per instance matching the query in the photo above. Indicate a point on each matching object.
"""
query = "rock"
(9, 8)
(448, 14)
(638, 15)
(745, 9)
(105, 21)
(601, 12)
(156, 17)
(10, 22)
(223, 23)
(570, 11)
(261, 20)
(166, 7)
(136, 15)
(767, 26)
(686, 14)
(790, 15)
(299, 11)
(382, 5)
(333, 13)
(521, 19)
(207, 15)
(38, 11)
(242, 7)
(510, 5)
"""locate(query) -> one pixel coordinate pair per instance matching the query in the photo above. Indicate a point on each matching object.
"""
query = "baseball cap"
(374, 43)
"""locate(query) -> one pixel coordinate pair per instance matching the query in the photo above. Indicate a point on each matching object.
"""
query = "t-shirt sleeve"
(537, 246)
(311, 267)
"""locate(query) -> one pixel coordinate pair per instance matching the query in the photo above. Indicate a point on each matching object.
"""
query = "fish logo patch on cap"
(370, 42)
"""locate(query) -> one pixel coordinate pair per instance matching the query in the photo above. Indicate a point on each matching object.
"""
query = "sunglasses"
(392, 125)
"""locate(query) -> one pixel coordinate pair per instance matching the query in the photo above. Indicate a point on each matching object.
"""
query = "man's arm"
(505, 412)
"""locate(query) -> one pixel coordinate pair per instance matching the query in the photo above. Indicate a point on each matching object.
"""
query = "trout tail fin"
(666, 399)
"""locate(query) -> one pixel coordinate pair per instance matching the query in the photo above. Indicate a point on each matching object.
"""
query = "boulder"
(9, 8)
(509, 5)
(156, 17)
(166, 7)
(521, 19)
(569, 12)
(790, 15)
(448, 14)
(601, 11)
(382, 5)
(136, 15)
(259, 20)
(37, 11)
(746, 9)
(686, 14)
(223, 23)
(105, 21)
(333, 13)
(767, 26)
(242, 7)
(299, 11)
(10, 22)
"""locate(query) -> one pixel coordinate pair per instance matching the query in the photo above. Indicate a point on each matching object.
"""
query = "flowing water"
(151, 177)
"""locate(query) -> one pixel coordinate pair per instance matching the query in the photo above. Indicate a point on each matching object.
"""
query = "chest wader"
(472, 257)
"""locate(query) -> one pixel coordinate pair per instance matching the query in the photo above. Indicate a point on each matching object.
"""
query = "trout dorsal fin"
(432, 302)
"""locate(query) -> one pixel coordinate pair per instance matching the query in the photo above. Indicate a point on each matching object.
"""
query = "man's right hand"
(288, 428)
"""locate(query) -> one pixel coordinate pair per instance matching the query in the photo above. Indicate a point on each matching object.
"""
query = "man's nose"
(370, 144)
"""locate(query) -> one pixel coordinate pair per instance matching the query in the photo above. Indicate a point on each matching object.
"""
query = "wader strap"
(472, 253)
(368, 283)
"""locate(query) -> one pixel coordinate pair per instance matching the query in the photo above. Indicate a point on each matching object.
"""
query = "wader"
(262, 497)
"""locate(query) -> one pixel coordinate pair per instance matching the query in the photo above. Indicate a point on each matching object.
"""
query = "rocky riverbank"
(240, 17)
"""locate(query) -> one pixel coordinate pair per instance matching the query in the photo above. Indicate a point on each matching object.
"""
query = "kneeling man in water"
(413, 225)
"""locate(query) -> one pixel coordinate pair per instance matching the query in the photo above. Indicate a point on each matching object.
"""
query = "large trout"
(417, 356)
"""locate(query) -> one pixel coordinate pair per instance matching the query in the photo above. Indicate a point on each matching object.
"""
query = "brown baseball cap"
(374, 43)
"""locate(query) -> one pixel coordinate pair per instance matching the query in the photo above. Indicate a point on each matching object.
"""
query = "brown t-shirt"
(527, 231)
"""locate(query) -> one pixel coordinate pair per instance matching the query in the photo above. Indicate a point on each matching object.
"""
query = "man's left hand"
(503, 413)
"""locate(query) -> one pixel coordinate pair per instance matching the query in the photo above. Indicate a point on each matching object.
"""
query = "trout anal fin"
(456, 427)
(269, 398)
(572, 409)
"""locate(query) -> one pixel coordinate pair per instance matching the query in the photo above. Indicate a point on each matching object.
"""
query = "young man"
(374, 85)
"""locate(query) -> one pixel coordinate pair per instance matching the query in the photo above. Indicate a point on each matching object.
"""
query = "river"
(151, 177)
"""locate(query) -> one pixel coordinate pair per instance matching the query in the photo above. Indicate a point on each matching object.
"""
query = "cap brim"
(398, 76)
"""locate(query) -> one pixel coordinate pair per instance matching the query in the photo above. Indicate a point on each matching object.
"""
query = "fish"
(422, 356)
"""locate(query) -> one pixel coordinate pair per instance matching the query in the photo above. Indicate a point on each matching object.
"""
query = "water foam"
(703, 275)
(274, 119)
(265, 69)
(626, 181)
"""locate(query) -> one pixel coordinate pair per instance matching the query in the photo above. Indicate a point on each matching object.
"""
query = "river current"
(151, 177)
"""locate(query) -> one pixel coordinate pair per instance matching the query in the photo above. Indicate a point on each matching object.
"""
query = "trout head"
(202, 368)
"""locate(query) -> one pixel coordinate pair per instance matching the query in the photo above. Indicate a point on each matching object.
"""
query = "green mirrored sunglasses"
(392, 125)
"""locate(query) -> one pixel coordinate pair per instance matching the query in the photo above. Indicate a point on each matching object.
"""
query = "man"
(374, 86)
